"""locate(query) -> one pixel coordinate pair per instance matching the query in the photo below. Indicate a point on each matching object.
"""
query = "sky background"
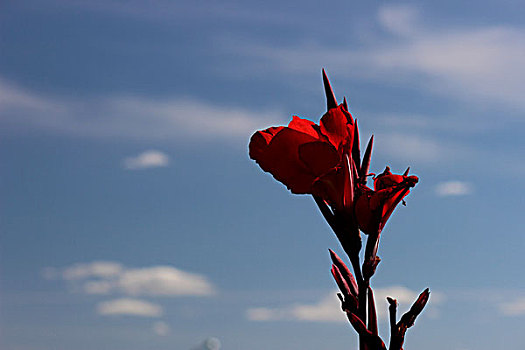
(132, 217)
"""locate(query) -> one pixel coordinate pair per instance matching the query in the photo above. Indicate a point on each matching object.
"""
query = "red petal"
(391, 201)
(260, 140)
(356, 152)
(320, 157)
(281, 159)
(348, 188)
(334, 125)
(329, 187)
(304, 126)
(385, 181)
(366, 211)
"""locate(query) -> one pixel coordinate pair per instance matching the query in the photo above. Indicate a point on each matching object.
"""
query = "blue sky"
(132, 217)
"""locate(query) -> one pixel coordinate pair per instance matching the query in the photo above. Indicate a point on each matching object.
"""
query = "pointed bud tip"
(331, 101)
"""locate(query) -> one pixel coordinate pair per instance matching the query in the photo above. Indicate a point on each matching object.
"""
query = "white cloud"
(161, 328)
(473, 64)
(130, 307)
(328, 309)
(147, 159)
(453, 188)
(103, 269)
(513, 308)
(132, 117)
(163, 280)
(104, 277)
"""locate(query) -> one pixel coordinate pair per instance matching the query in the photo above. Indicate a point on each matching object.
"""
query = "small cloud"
(129, 307)
(147, 159)
(513, 308)
(211, 343)
(102, 269)
(161, 328)
(453, 188)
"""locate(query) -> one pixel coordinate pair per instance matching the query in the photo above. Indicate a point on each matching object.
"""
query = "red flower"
(374, 207)
(324, 160)
(306, 157)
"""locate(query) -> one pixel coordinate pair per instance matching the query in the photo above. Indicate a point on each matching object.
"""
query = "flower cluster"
(325, 161)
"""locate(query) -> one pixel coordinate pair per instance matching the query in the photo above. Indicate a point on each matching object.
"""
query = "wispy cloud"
(410, 147)
(513, 308)
(129, 307)
(398, 19)
(103, 277)
(474, 64)
(132, 117)
(100, 269)
(147, 159)
(453, 188)
(328, 309)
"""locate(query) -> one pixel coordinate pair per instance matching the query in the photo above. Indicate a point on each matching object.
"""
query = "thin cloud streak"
(129, 307)
(131, 117)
